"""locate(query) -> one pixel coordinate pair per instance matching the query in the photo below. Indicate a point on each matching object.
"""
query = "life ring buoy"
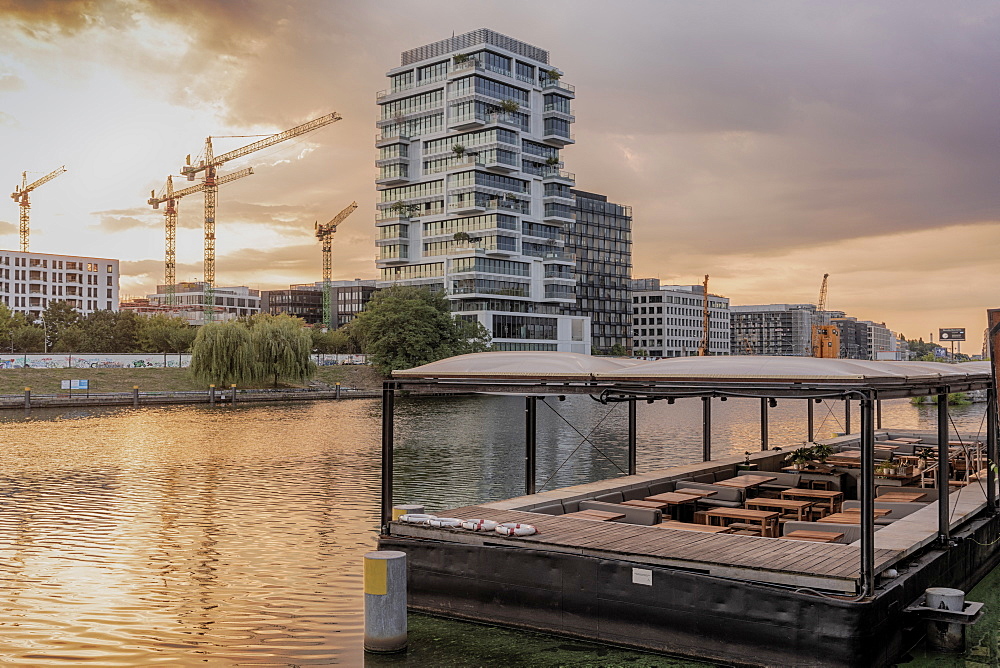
(515, 529)
(479, 525)
(445, 522)
(416, 518)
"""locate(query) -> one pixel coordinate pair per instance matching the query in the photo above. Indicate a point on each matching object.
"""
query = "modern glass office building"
(472, 197)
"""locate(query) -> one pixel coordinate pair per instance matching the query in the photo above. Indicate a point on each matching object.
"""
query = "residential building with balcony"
(669, 321)
(472, 198)
(600, 238)
(29, 282)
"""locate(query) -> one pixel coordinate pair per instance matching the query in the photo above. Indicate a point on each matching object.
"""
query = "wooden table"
(597, 515)
(814, 536)
(900, 497)
(677, 499)
(642, 503)
(684, 526)
(849, 517)
(746, 481)
(766, 521)
(907, 440)
(800, 508)
(845, 458)
(700, 493)
(834, 501)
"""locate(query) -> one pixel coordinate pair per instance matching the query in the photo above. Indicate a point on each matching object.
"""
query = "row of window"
(490, 88)
(524, 327)
(490, 243)
(468, 224)
(470, 139)
(408, 105)
(56, 264)
(486, 286)
(425, 189)
(416, 127)
(413, 271)
(487, 179)
(490, 266)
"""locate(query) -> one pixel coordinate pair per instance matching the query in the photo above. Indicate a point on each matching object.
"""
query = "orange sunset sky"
(762, 143)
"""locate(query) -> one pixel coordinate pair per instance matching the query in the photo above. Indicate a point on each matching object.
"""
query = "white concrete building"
(668, 320)
(189, 301)
(471, 196)
(29, 282)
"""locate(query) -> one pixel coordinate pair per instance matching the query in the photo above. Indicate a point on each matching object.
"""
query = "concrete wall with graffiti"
(128, 361)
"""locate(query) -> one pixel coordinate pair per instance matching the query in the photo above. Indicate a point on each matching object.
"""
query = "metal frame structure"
(631, 390)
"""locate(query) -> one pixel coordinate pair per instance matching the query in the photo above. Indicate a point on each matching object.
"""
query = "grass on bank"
(48, 381)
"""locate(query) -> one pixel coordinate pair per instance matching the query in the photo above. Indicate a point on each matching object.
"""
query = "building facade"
(29, 282)
(668, 320)
(472, 199)
(865, 340)
(347, 299)
(600, 238)
(772, 329)
(189, 301)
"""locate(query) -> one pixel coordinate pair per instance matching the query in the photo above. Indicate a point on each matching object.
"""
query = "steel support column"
(763, 424)
(847, 416)
(810, 421)
(632, 428)
(866, 492)
(944, 465)
(878, 413)
(530, 418)
(706, 429)
(388, 442)
(991, 448)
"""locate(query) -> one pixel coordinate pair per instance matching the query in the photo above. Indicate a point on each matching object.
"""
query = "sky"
(764, 144)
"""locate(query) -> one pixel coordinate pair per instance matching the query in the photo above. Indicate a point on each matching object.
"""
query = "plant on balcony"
(552, 161)
(509, 106)
(461, 237)
(458, 150)
(402, 209)
(552, 75)
(461, 58)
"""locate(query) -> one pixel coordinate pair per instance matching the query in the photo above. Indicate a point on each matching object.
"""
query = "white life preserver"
(416, 518)
(445, 522)
(479, 525)
(515, 529)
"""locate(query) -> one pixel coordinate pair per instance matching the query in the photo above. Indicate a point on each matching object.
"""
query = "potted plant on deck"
(799, 457)
(746, 465)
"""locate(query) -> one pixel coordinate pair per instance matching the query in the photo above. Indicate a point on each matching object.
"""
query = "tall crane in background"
(209, 164)
(703, 349)
(325, 234)
(20, 195)
(170, 197)
(825, 335)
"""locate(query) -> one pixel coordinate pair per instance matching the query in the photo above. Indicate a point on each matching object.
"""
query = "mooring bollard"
(945, 636)
(135, 396)
(211, 395)
(405, 510)
(385, 601)
(232, 399)
(27, 398)
(337, 386)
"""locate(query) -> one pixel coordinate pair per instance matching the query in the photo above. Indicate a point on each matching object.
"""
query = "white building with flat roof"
(669, 320)
(189, 301)
(29, 282)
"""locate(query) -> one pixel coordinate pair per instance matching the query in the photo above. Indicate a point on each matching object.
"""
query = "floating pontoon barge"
(736, 599)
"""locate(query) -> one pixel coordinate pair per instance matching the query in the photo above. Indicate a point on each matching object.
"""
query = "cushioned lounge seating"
(724, 497)
(781, 480)
(899, 510)
(644, 516)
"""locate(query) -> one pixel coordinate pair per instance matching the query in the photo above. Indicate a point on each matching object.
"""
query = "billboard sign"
(953, 334)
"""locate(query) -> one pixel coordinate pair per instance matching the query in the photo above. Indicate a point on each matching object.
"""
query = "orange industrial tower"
(20, 195)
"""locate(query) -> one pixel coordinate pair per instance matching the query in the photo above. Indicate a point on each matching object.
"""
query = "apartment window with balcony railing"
(557, 103)
(490, 266)
(470, 223)
(489, 88)
(396, 171)
(524, 327)
(540, 230)
(392, 151)
(558, 190)
(524, 72)
(560, 292)
(558, 211)
(402, 81)
(413, 272)
(408, 105)
(393, 252)
(541, 150)
(559, 271)
(432, 73)
(393, 232)
(557, 126)
(488, 180)
(484, 286)
(471, 139)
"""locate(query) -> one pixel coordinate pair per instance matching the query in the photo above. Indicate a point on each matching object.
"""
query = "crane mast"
(703, 349)
(825, 335)
(170, 197)
(21, 196)
(209, 164)
(325, 234)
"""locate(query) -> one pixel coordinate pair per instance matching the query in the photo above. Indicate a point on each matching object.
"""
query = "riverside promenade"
(29, 400)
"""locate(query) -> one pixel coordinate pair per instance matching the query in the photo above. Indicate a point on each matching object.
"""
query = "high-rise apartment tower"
(472, 198)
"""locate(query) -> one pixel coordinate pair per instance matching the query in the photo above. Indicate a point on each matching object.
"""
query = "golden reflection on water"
(230, 535)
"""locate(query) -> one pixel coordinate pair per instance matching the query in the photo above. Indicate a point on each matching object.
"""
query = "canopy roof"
(525, 372)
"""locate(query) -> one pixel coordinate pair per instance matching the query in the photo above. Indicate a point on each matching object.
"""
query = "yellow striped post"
(385, 601)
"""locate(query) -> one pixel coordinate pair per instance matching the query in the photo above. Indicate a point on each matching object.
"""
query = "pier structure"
(660, 586)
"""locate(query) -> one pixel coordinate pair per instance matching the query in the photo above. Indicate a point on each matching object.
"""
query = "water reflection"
(228, 535)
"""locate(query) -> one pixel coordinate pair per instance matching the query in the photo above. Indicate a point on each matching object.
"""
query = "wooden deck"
(830, 566)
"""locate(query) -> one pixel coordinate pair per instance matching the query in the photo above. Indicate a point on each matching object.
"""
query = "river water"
(234, 535)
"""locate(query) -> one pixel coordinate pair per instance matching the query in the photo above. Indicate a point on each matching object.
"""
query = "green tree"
(71, 340)
(58, 317)
(165, 334)
(337, 341)
(28, 339)
(282, 347)
(111, 332)
(406, 326)
(223, 354)
(618, 350)
(9, 322)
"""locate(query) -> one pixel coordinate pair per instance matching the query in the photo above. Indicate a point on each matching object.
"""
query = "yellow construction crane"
(170, 197)
(325, 234)
(703, 349)
(20, 195)
(825, 335)
(209, 164)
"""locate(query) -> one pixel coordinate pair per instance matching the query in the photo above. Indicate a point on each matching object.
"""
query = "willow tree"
(223, 354)
(282, 347)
